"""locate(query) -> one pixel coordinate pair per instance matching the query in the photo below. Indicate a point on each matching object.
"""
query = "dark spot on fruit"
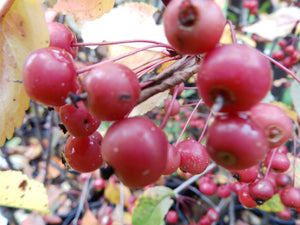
(227, 95)
(106, 172)
(125, 97)
(188, 14)
(259, 202)
(236, 176)
(227, 158)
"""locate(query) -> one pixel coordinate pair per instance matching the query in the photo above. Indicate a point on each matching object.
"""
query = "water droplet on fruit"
(144, 173)
(116, 149)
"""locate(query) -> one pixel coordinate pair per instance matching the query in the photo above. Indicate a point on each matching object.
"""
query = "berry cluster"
(288, 54)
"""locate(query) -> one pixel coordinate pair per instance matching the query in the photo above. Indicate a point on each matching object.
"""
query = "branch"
(170, 77)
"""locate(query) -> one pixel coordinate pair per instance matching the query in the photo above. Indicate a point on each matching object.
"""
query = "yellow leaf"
(84, 10)
(19, 191)
(23, 29)
(89, 218)
(226, 36)
(112, 192)
(272, 205)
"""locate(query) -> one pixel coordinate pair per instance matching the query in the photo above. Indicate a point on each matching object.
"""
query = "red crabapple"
(193, 26)
(233, 78)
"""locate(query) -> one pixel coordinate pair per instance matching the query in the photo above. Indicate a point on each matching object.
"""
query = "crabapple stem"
(167, 115)
(187, 122)
(205, 126)
(269, 166)
(121, 203)
(154, 65)
(232, 32)
(192, 180)
(120, 42)
(282, 67)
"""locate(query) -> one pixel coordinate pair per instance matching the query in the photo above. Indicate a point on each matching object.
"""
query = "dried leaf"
(278, 24)
(291, 113)
(149, 104)
(130, 21)
(84, 10)
(22, 30)
(112, 192)
(89, 218)
(19, 191)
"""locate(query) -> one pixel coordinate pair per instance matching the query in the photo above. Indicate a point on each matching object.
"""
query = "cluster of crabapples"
(232, 79)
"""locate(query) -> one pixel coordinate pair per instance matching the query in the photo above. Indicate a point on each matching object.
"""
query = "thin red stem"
(232, 32)
(187, 122)
(295, 157)
(205, 126)
(87, 68)
(270, 163)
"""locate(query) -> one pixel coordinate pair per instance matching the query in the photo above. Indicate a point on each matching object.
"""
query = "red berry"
(84, 154)
(180, 89)
(224, 191)
(208, 187)
(137, 150)
(193, 26)
(236, 142)
(245, 198)
(280, 162)
(78, 121)
(212, 214)
(49, 75)
(99, 183)
(261, 190)
(285, 214)
(172, 217)
(62, 37)
(194, 158)
(204, 220)
(278, 55)
(290, 197)
(173, 160)
(277, 124)
(289, 49)
(246, 175)
(113, 90)
(282, 43)
(175, 106)
(283, 179)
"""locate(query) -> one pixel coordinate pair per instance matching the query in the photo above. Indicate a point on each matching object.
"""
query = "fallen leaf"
(112, 192)
(19, 191)
(149, 104)
(275, 25)
(23, 29)
(89, 218)
(84, 10)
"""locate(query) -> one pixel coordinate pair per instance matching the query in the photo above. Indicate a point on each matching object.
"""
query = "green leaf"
(152, 206)
(286, 97)
(295, 94)
(272, 205)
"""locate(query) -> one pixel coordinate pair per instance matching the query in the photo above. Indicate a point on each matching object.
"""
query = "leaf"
(149, 104)
(23, 29)
(89, 218)
(275, 25)
(130, 21)
(272, 205)
(152, 206)
(112, 192)
(84, 10)
(19, 191)
(291, 113)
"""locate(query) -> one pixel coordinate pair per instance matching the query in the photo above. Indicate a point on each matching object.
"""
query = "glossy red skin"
(245, 198)
(261, 190)
(280, 162)
(224, 191)
(84, 154)
(137, 150)
(271, 116)
(283, 179)
(203, 35)
(290, 197)
(113, 91)
(78, 121)
(240, 73)
(246, 175)
(175, 107)
(236, 143)
(49, 75)
(194, 158)
(173, 160)
(212, 214)
(208, 187)
(62, 37)
(172, 217)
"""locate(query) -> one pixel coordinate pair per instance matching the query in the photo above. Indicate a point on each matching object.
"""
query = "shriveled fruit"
(113, 90)
(193, 26)
(137, 150)
(233, 78)
(78, 121)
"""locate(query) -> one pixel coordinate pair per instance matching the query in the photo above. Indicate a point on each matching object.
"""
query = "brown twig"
(170, 77)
